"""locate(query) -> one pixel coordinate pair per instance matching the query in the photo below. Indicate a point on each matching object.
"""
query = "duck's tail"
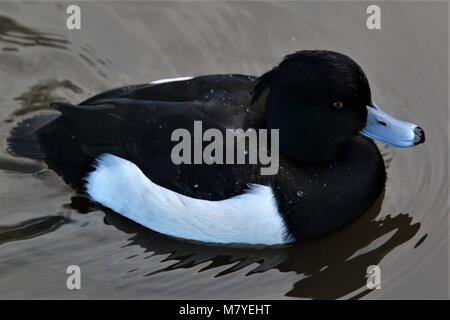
(48, 137)
(251, 218)
(24, 139)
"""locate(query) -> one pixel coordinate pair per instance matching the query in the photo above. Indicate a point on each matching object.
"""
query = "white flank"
(170, 80)
(251, 218)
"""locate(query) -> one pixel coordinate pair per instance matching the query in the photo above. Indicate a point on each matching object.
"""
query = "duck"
(116, 148)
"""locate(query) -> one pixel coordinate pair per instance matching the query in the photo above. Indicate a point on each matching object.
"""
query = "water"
(45, 226)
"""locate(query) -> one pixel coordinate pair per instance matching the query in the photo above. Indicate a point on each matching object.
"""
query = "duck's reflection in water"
(330, 267)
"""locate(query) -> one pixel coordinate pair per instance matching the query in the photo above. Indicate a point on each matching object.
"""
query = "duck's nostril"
(419, 135)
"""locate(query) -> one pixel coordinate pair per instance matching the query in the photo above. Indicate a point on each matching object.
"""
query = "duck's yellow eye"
(338, 105)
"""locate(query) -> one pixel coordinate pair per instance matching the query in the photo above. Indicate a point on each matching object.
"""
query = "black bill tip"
(419, 136)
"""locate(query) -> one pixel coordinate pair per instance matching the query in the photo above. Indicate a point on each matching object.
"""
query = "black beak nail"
(419, 135)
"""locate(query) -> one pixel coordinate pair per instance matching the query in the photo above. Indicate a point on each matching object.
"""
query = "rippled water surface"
(45, 226)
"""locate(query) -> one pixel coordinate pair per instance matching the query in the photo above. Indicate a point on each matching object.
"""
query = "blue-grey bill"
(384, 128)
